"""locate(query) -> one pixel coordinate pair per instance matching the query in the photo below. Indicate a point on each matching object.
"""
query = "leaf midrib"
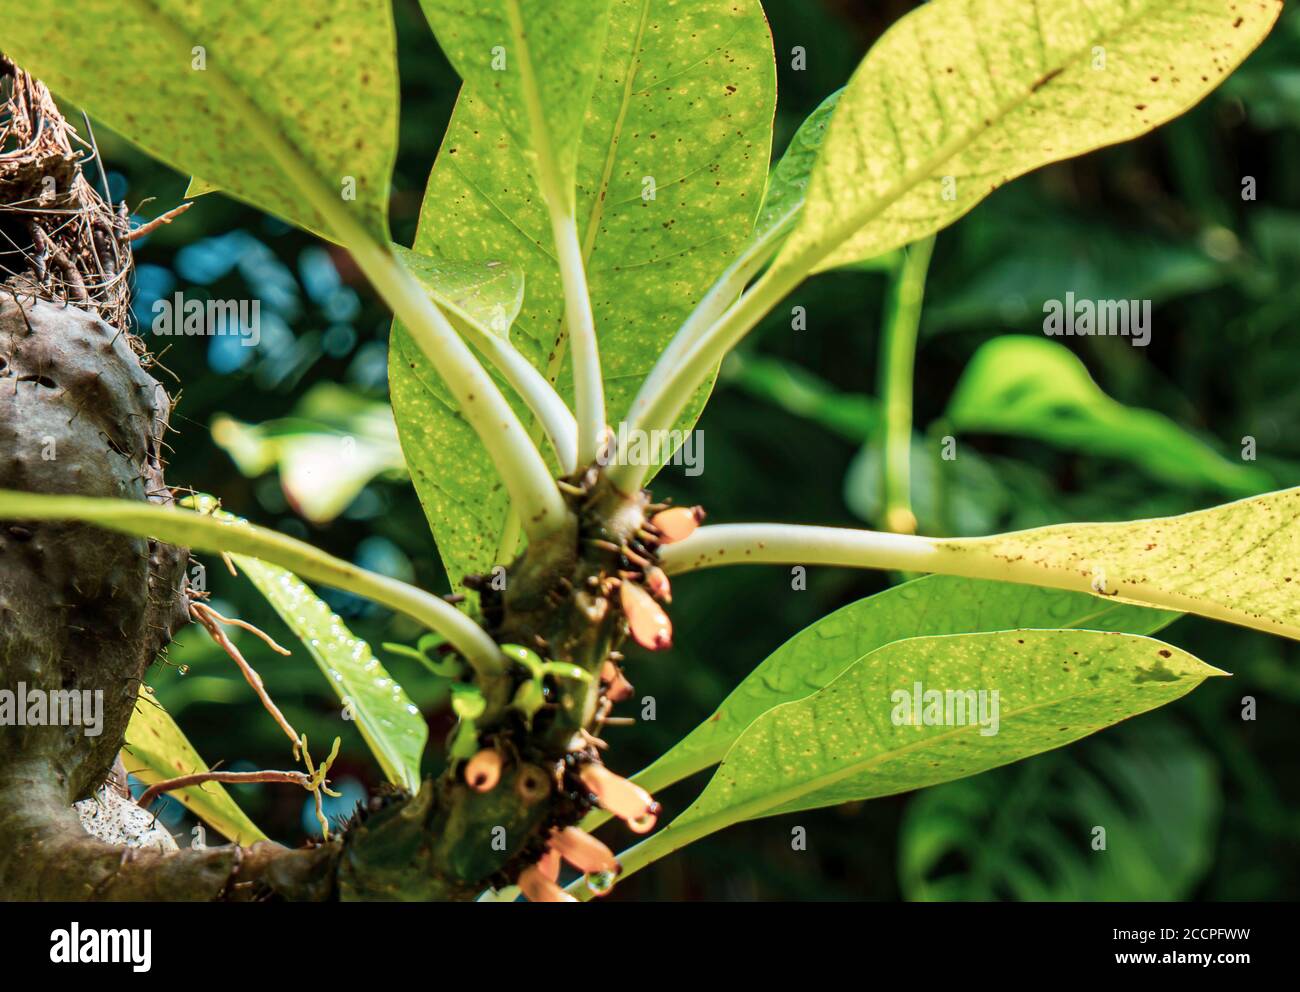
(294, 166)
(634, 68)
(819, 249)
(716, 749)
(777, 800)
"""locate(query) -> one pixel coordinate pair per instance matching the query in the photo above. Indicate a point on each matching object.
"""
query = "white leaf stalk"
(533, 388)
(788, 544)
(588, 385)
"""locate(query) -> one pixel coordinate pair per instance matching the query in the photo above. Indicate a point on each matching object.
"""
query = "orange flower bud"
(618, 689)
(644, 823)
(677, 522)
(646, 619)
(657, 584)
(538, 888)
(583, 851)
(626, 800)
(483, 771)
(549, 864)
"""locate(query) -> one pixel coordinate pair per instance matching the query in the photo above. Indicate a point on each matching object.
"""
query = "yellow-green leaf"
(389, 722)
(861, 737)
(1036, 387)
(787, 187)
(670, 173)
(157, 750)
(1239, 562)
(198, 186)
(531, 62)
(487, 294)
(936, 604)
(961, 96)
(260, 99)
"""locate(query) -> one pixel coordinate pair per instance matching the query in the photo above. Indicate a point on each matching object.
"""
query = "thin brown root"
(199, 778)
(245, 625)
(206, 616)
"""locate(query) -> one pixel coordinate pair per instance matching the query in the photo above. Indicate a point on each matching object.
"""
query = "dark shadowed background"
(1197, 801)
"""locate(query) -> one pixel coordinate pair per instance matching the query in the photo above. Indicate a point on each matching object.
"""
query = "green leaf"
(199, 186)
(1239, 562)
(157, 750)
(787, 187)
(530, 62)
(1037, 388)
(260, 99)
(852, 740)
(961, 96)
(1026, 832)
(389, 722)
(487, 294)
(327, 452)
(684, 94)
(935, 605)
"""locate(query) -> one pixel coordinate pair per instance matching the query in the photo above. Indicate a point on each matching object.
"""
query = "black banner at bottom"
(654, 941)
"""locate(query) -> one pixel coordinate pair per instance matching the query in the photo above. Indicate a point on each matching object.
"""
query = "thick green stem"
(897, 371)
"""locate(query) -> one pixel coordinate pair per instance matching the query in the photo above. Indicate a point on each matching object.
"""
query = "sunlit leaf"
(531, 62)
(854, 740)
(788, 185)
(961, 96)
(236, 92)
(389, 722)
(490, 294)
(157, 750)
(670, 173)
(934, 605)
(198, 186)
(1239, 562)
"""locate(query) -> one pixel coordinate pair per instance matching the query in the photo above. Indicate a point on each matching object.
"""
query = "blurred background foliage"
(1197, 802)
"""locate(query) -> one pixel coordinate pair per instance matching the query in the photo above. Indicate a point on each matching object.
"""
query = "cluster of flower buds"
(642, 587)
(646, 620)
(540, 882)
